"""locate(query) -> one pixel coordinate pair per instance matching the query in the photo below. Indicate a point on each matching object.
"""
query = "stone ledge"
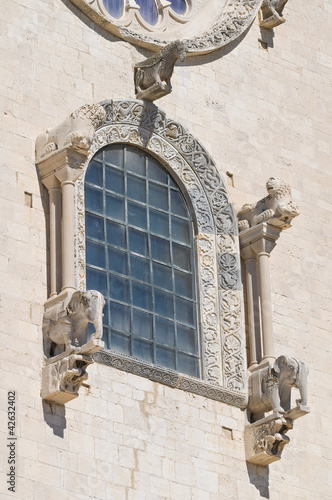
(171, 378)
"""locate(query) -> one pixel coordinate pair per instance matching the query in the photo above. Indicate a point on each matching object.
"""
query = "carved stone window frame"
(145, 126)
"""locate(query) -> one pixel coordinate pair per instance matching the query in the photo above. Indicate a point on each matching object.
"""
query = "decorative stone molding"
(170, 378)
(209, 26)
(153, 76)
(67, 348)
(277, 208)
(270, 15)
(144, 125)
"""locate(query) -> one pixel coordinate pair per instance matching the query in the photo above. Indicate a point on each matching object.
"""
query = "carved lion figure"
(277, 207)
(76, 131)
(66, 325)
(158, 69)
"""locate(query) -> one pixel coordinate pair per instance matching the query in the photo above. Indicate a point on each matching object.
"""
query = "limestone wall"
(259, 112)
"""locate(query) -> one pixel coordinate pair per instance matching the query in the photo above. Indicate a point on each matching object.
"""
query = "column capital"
(65, 164)
(261, 238)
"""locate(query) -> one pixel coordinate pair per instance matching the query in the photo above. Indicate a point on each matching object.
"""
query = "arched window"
(140, 255)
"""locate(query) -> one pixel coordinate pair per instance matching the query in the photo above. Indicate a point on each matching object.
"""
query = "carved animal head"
(277, 188)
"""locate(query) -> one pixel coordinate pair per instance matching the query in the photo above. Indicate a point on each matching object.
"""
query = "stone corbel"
(61, 154)
(270, 16)
(67, 349)
(153, 76)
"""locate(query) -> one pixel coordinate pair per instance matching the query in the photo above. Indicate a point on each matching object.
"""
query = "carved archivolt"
(146, 126)
(205, 25)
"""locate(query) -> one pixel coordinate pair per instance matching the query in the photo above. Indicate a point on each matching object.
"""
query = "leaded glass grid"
(140, 255)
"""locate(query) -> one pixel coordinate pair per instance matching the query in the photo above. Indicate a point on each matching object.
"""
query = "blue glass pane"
(181, 256)
(183, 283)
(96, 280)
(187, 364)
(184, 311)
(163, 304)
(93, 199)
(119, 288)
(160, 249)
(186, 339)
(162, 276)
(179, 6)
(95, 254)
(156, 172)
(148, 10)
(140, 268)
(142, 324)
(94, 227)
(115, 207)
(117, 261)
(142, 296)
(181, 230)
(159, 223)
(165, 332)
(114, 155)
(94, 173)
(138, 242)
(158, 196)
(135, 161)
(136, 188)
(142, 350)
(105, 317)
(177, 204)
(165, 357)
(120, 317)
(114, 7)
(116, 234)
(114, 180)
(105, 337)
(120, 343)
(137, 215)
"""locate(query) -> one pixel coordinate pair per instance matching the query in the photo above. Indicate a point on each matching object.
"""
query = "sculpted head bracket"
(270, 14)
(67, 348)
(277, 208)
(153, 76)
(270, 391)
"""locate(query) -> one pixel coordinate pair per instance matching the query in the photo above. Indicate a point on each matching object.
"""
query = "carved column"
(249, 257)
(54, 190)
(59, 172)
(256, 245)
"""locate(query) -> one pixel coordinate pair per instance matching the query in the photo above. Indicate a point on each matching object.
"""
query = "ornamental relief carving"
(203, 25)
(218, 262)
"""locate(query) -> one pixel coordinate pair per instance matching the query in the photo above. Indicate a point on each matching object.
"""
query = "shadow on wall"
(259, 477)
(55, 417)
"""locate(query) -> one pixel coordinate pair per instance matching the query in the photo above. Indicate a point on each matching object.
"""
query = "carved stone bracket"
(153, 76)
(67, 349)
(270, 15)
(265, 439)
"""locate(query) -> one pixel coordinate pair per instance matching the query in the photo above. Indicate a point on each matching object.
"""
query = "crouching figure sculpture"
(270, 389)
(277, 208)
(67, 348)
(153, 76)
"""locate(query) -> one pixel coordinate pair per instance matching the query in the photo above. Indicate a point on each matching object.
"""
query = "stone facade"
(260, 108)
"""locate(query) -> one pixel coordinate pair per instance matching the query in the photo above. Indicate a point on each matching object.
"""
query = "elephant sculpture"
(270, 387)
(66, 324)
